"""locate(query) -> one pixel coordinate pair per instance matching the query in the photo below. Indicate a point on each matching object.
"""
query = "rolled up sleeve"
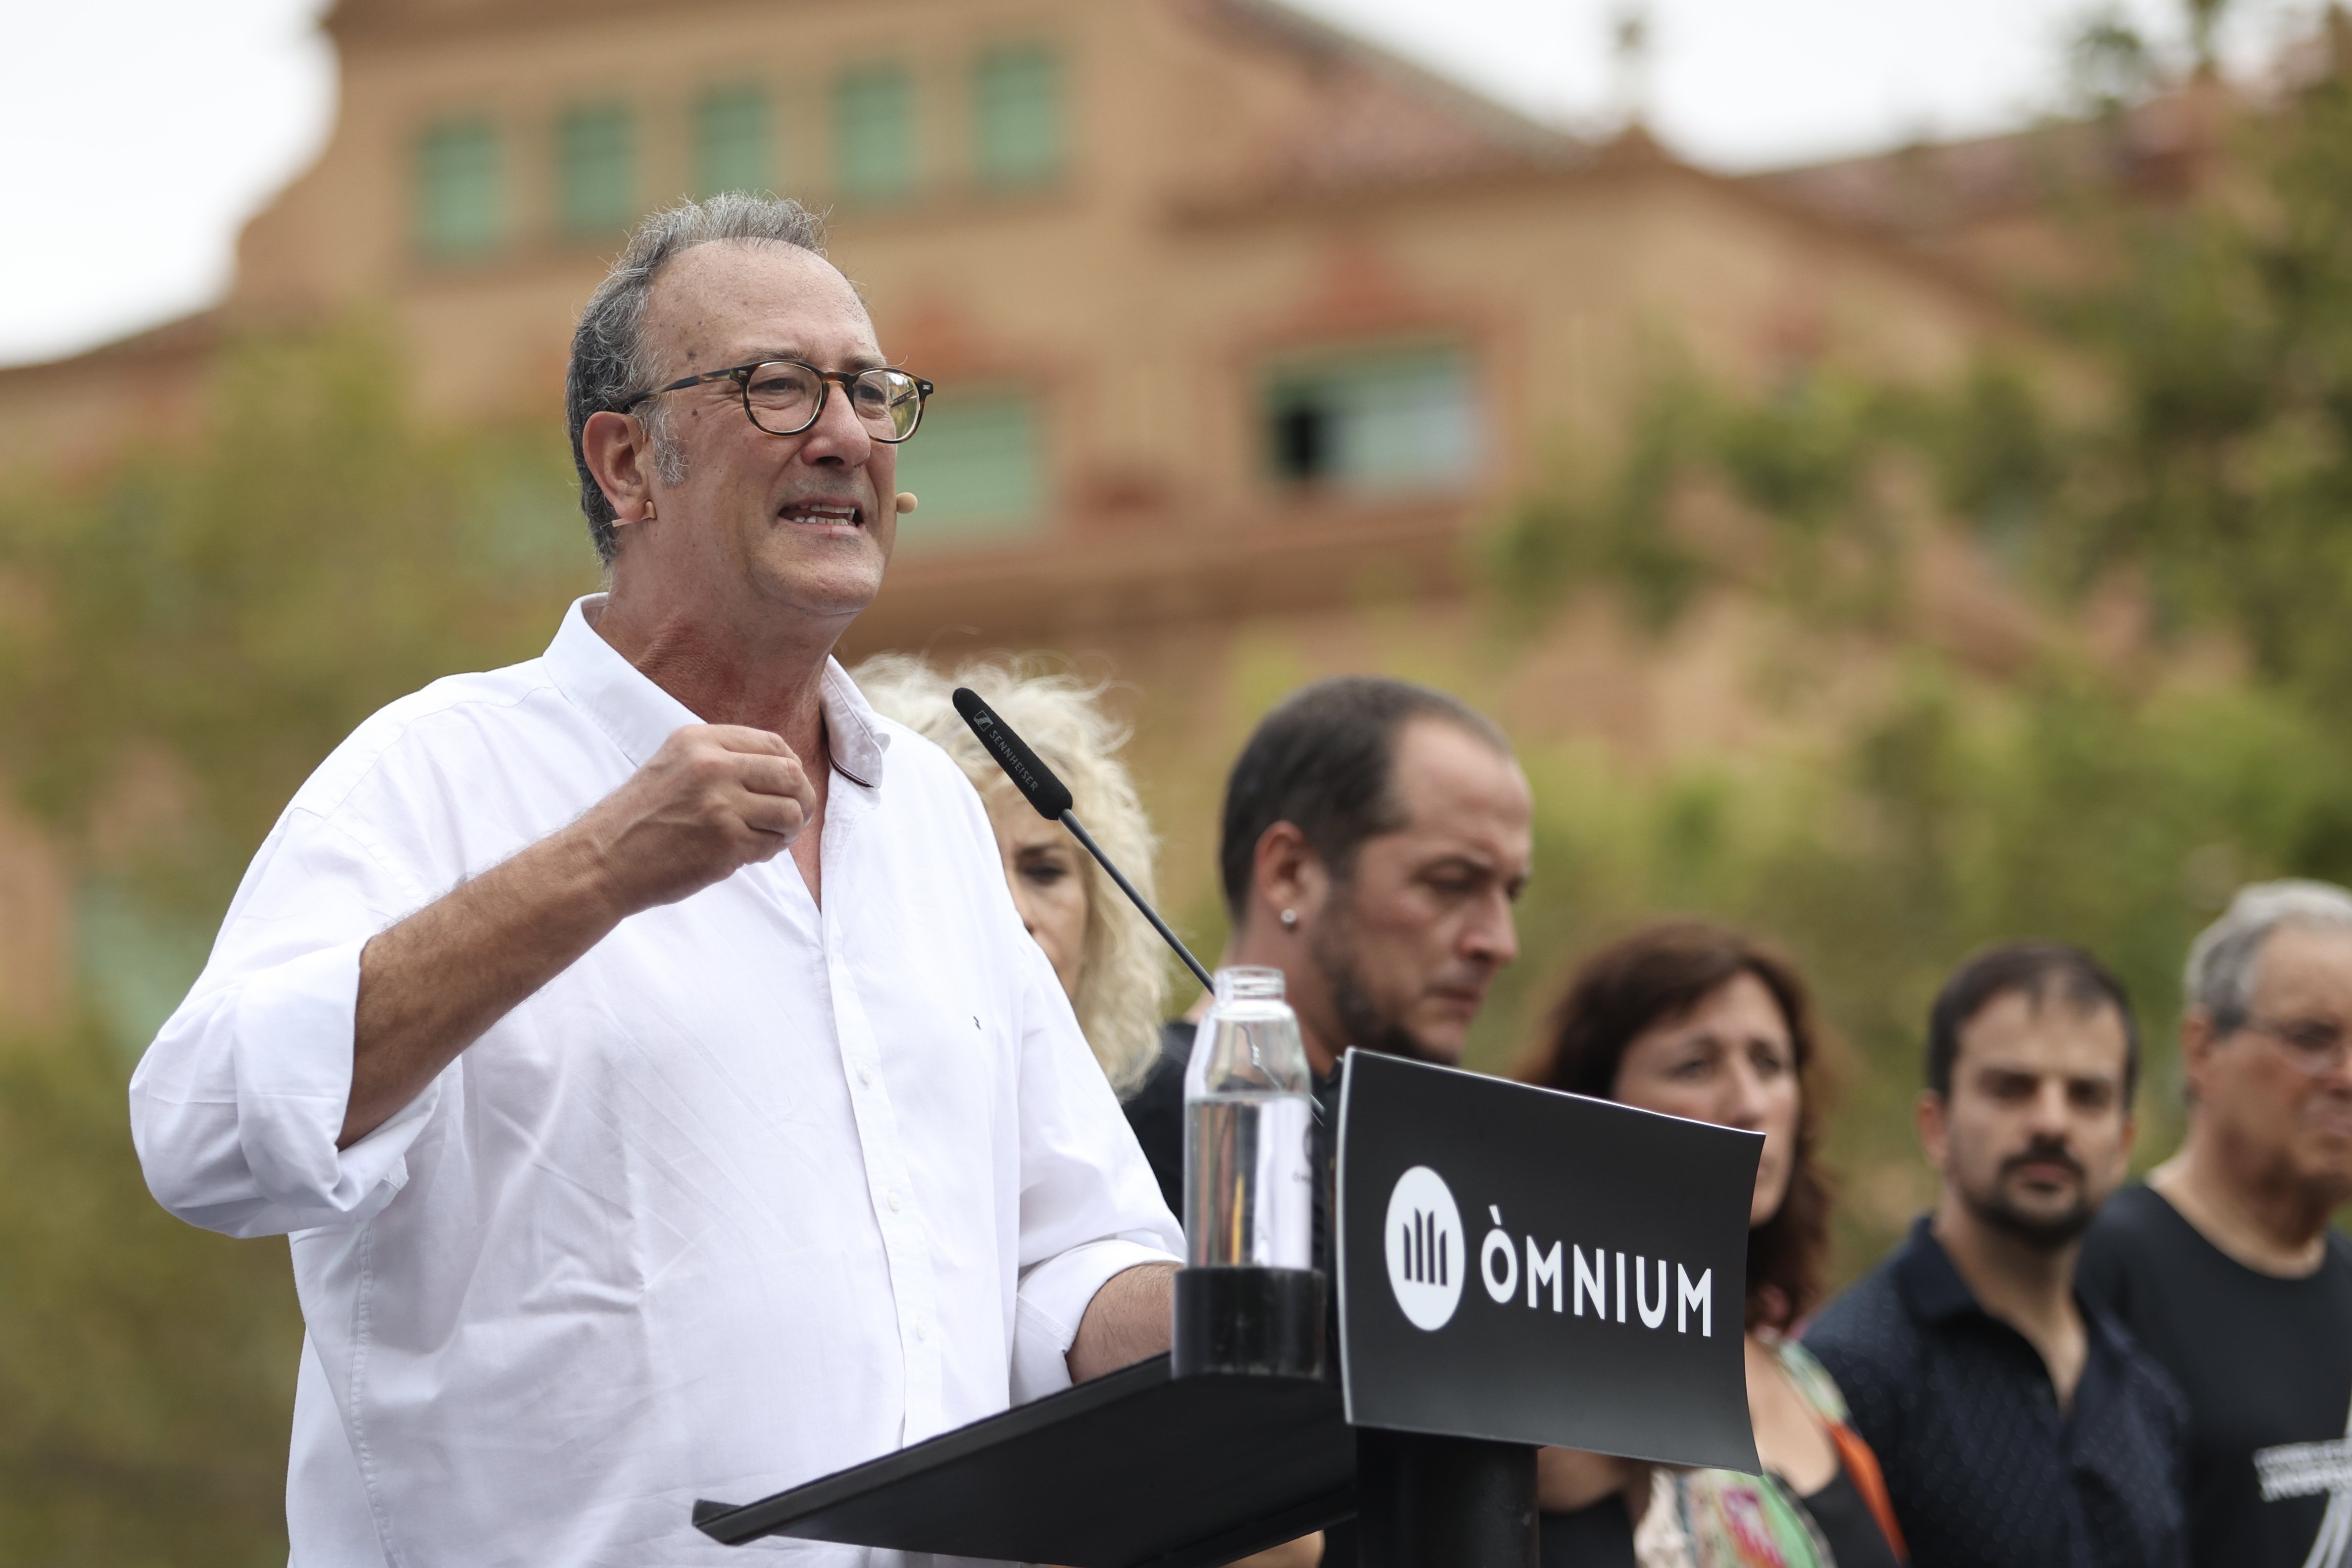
(1090, 1206)
(235, 1106)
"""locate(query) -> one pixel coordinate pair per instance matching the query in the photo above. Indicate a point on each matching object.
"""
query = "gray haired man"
(2224, 1266)
(638, 1045)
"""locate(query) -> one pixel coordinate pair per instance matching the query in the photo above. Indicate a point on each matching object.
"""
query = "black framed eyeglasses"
(785, 397)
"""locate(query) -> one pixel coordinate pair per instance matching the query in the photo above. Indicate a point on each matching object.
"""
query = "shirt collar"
(638, 715)
(857, 737)
(1934, 1291)
(1932, 1288)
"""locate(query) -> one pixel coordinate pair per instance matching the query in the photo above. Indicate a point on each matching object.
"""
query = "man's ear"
(2199, 1041)
(620, 459)
(1287, 874)
(1934, 1126)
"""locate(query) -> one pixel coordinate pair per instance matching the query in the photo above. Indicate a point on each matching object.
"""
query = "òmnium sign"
(1532, 1267)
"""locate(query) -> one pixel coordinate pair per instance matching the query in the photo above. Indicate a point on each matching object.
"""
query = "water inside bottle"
(1252, 1196)
(1249, 1182)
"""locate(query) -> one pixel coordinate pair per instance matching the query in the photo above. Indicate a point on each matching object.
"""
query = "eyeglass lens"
(784, 399)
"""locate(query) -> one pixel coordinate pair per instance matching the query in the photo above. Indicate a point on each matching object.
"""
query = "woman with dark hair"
(1697, 1021)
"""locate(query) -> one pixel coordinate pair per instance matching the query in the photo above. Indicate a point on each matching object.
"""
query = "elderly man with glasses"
(2224, 1266)
(638, 1045)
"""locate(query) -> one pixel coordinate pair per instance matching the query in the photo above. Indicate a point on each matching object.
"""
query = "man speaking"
(626, 1159)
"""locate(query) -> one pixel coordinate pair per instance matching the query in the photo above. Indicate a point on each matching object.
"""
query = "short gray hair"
(2221, 963)
(609, 359)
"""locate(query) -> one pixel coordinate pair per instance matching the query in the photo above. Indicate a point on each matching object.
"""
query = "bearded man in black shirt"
(2017, 1425)
(2224, 1266)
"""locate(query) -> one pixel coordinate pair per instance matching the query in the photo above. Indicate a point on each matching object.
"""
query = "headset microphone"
(1051, 796)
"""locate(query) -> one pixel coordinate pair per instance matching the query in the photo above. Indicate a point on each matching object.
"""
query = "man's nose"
(2337, 1078)
(838, 436)
(1491, 937)
(2051, 1112)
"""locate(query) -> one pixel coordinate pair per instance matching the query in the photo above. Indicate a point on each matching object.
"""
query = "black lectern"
(1515, 1267)
(1136, 1467)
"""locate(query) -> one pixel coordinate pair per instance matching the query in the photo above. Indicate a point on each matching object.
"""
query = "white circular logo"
(1426, 1255)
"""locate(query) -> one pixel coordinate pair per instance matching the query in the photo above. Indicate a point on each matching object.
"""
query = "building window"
(459, 193)
(595, 170)
(976, 465)
(1373, 424)
(1017, 134)
(730, 140)
(874, 134)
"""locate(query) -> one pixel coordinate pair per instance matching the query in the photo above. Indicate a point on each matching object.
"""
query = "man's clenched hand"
(715, 798)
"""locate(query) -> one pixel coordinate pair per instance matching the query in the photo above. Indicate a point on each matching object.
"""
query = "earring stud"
(1289, 919)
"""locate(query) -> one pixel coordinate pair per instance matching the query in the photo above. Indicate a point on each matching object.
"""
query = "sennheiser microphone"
(1051, 796)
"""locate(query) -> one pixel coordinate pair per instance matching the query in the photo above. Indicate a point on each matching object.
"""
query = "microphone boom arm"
(1051, 796)
(1069, 819)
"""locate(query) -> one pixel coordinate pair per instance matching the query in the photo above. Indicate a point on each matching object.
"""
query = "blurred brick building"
(1239, 322)
(1227, 307)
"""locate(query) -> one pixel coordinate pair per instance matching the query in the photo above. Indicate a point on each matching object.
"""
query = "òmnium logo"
(1426, 1252)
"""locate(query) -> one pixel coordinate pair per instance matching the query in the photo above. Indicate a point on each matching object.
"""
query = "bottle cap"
(1249, 985)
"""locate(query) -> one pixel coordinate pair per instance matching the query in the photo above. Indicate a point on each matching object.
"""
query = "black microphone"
(1051, 796)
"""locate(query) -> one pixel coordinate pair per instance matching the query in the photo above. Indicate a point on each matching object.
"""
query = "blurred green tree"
(2062, 789)
(188, 635)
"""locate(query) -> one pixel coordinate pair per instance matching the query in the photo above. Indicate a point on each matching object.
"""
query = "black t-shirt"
(1600, 1535)
(2267, 1366)
(1156, 1111)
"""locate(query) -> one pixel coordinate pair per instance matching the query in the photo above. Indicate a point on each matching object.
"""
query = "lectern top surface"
(1134, 1470)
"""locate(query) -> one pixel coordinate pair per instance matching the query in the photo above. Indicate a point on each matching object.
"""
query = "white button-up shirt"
(753, 1190)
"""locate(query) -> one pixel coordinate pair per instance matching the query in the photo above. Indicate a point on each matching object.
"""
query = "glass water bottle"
(1249, 1186)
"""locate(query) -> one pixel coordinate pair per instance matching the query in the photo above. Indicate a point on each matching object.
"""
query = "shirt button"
(865, 1076)
(896, 1203)
(922, 1333)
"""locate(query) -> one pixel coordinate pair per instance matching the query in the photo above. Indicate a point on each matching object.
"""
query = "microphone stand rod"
(1028, 773)
(1069, 819)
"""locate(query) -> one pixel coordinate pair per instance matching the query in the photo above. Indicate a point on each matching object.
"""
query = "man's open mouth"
(825, 512)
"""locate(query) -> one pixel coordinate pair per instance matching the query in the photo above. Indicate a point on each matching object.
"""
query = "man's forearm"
(433, 984)
(715, 798)
(1130, 1320)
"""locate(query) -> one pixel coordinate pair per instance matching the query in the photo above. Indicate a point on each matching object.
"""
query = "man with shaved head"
(628, 1158)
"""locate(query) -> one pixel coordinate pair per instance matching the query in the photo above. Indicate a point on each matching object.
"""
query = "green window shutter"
(459, 194)
(1374, 424)
(595, 170)
(978, 464)
(874, 134)
(1017, 119)
(730, 140)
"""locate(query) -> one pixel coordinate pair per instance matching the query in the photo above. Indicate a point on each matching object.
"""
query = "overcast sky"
(149, 130)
